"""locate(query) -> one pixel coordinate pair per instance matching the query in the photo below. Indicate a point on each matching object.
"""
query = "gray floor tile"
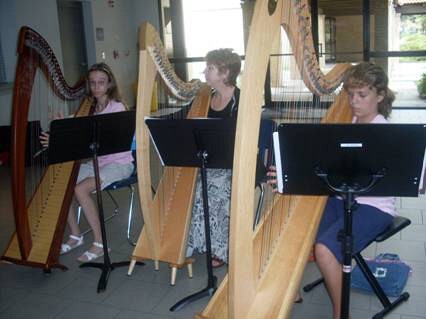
(415, 215)
(418, 275)
(36, 305)
(137, 295)
(407, 250)
(415, 232)
(414, 202)
(131, 314)
(78, 309)
(10, 296)
(84, 286)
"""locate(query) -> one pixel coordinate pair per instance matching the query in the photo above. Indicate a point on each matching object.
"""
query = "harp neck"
(151, 42)
(296, 21)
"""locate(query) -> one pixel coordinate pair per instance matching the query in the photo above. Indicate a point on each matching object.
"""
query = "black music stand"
(89, 137)
(203, 143)
(349, 160)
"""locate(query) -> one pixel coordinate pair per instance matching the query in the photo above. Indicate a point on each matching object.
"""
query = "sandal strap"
(78, 238)
(99, 245)
(90, 256)
(65, 247)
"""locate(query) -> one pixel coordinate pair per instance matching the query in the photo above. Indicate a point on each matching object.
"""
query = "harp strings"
(292, 102)
(165, 104)
(47, 102)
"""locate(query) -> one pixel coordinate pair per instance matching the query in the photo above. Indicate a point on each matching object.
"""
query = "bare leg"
(74, 228)
(331, 271)
(83, 193)
(72, 221)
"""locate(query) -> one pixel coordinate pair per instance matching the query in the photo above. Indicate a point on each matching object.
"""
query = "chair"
(397, 225)
(130, 184)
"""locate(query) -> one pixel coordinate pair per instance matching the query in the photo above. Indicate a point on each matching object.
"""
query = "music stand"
(349, 160)
(203, 143)
(89, 137)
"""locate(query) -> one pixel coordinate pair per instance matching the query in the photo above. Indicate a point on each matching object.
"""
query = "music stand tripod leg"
(211, 279)
(106, 267)
(347, 246)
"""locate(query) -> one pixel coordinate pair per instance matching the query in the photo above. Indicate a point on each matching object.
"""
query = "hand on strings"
(272, 178)
(44, 139)
(44, 136)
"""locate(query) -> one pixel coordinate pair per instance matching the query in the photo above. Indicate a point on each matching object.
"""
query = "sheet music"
(278, 165)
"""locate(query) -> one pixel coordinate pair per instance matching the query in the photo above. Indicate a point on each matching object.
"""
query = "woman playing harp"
(41, 193)
(266, 265)
(222, 69)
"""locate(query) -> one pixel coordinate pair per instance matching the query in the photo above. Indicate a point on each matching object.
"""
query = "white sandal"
(88, 256)
(66, 248)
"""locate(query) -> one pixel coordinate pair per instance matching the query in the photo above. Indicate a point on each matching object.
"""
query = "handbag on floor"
(391, 273)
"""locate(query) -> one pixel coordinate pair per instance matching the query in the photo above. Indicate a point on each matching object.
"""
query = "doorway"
(71, 28)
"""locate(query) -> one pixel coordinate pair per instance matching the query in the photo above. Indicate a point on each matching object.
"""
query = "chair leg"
(313, 284)
(115, 204)
(129, 219)
(378, 290)
(78, 214)
(106, 219)
(88, 230)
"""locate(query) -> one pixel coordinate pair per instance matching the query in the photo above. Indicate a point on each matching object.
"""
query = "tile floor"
(29, 293)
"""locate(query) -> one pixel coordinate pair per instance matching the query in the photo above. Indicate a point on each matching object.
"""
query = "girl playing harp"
(371, 102)
(114, 167)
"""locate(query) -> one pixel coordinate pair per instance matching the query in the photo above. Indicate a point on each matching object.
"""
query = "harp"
(41, 193)
(266, 264)
(167, 213)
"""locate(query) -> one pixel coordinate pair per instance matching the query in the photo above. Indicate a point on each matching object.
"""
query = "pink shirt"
(385, 204)
(119, 158)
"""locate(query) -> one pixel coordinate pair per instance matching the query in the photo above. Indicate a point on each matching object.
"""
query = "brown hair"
(374, 76)
(225, 60)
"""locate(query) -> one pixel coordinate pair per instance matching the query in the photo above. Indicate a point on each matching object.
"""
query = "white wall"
(120, 23)
(41, 15)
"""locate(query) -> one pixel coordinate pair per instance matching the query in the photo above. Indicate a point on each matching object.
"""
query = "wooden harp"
(266, 264)
(41, 193)
(167, 213)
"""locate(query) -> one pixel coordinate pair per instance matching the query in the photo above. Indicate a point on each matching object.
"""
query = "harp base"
(47, 268)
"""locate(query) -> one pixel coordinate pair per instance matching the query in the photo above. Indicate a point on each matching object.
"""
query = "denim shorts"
(367, 223)
(108, 173)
